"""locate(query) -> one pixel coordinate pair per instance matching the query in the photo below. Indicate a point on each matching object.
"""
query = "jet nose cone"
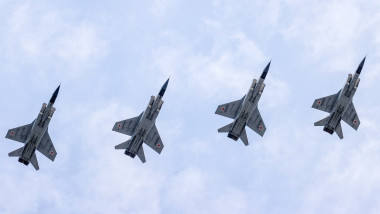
(55, 94)
(166, 83)
(266, 69)
(163, 88)
(359, 70)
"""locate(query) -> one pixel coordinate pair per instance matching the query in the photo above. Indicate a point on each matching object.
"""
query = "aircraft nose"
(360, 67)
(163, 88)
(266, 69)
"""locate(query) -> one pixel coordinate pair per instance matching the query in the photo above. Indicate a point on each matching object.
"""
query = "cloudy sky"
(111, 57)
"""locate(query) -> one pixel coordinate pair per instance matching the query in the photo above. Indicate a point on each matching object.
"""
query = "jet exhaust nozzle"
(129, 154)
(26, 163)
(232, 136)
(328, 130)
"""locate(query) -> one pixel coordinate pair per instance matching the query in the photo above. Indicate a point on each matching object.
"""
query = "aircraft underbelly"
(238, 126)
(28, 151)
(135, 144)
(243, 117)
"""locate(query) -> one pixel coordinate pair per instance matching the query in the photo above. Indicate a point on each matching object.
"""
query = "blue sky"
(111, 57)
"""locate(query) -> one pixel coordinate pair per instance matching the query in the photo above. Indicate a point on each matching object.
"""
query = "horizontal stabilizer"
(123, 145)
(339, 131)
(226, 128)
(34, 161)
(243, 137)
(322, 122)
(16, 153)
(141, 154)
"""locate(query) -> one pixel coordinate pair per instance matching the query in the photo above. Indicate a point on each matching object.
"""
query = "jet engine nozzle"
(349, 78)
(52, 110)
(152, 98)
(328, 130)
(357, 82)
(262, 88)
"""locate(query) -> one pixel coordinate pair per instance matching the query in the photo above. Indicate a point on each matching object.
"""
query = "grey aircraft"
(142, 129)
(35, 136)
(340, 106)
(245, 112)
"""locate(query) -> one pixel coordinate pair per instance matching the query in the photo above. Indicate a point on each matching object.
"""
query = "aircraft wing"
(20, 133)
(256, 123)
(127, 126)
(351, 117)
(46, 147)
(153, 140)
(231, 109)
(325, 103)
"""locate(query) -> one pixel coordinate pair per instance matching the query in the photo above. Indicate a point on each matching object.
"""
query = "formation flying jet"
(142, 129)
(340, 106)
(245, 112)
(35, 136)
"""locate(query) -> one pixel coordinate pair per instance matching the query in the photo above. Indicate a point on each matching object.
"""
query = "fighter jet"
(142, 129)
(340, 106)
(35, 136)
(245, 112)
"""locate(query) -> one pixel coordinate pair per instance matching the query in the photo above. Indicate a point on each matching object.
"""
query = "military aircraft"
(35, 136)
(340, 106)
(245, 112)
(142, 129)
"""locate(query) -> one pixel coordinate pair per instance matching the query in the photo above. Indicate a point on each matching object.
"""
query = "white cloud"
(218, 71)
(294, 168)
(40, 35)
(160, 8)
(333, 33)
